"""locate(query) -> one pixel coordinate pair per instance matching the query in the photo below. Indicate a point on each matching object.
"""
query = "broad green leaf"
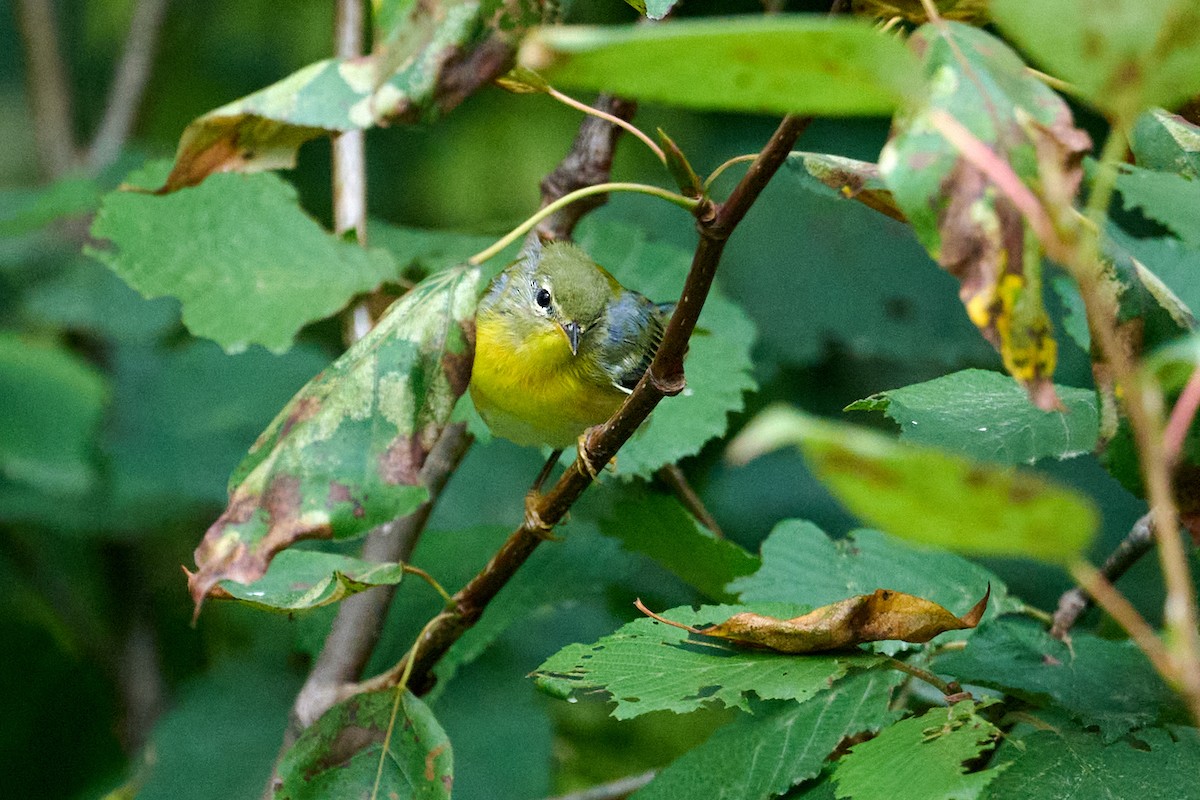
(51, 411)
(1123, 56)
(346, 453)
(968, 223)
(656, 525)
(1173, 200)
(427, 59)
(25, 211)
(1164, 141)
(920, 758)
(648, 666)
(718, 365)
(1175, 264)
(987, 416)
(1174, 363)
(1142, 294)
(298, 580)
(421, 251)
(339, 755)
(1107, 684)
(801, 565)
(778, 64)
(247, 264)
(88, 296)
(780, 744)
(1068, 763)
(930, 496)
(847, 178)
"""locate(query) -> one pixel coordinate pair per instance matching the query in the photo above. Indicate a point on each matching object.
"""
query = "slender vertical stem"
(49, 87)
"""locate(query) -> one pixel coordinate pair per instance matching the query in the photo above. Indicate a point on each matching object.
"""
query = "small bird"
(559, 343)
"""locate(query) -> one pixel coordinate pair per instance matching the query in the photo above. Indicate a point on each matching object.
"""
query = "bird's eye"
(542, 298)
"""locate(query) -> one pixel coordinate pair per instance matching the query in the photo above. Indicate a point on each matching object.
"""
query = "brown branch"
(677, 482)
(588, 163)
(714, 222)
(129, 82)
(1072, 604)
(49, 87)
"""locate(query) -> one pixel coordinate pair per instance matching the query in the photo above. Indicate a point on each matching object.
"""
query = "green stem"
(609, 118)
(686, 203)
(946, 688)
(716, 173)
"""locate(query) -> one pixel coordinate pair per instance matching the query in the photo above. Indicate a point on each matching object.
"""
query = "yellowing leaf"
(884, 615)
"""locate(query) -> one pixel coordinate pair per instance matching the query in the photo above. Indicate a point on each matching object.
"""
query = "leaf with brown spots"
(927, 495)
(346, 453)
(357, 743)
(856, 180)
(964, 219)
(881, 616)
(427, 58)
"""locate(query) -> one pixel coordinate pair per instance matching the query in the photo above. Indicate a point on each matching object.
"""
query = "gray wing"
(634, 330)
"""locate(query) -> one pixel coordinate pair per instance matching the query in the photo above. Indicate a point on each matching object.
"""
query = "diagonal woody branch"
(665, 377)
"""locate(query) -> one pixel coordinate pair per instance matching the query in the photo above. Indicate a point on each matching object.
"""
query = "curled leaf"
(883, 615)
(298, 580)
(850, 178)
(346, 453)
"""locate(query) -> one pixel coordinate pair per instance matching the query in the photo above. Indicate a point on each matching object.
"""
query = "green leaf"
(1068, 763)
(921, 757)
(298, 580)
(1176, 264)
(780, 744)
(88, 296)
(1123, 57)
(1167, 142)
(1171, 199)
(846, 178)
(929, 496)
(1108, 684)
(339, 755)
(648, 666)
(427, 58)
(419, 252)
(718, 365)
(22, 212)
(656, 525)
(801, 565)
(52, 406)
(654, 9)
(247, 264)
(778, 64)
(987, 416)
(346, 453)
(965, 221)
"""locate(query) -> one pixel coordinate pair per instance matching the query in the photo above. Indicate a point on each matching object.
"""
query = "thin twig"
(49, 87)
(1182, 416)
(613, 790)
(613, 119)
(664, 377)
(1074, 602)
(1120, 609)
(678, 483)
(947, 688)
(129, 82)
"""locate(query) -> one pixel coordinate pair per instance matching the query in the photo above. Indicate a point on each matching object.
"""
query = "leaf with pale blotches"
(299, 580)
(345, 454)
(881, 616)
(968, 222)
(428, 57)
(849, 178)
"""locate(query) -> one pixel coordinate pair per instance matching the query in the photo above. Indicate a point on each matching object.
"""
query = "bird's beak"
(571, 329)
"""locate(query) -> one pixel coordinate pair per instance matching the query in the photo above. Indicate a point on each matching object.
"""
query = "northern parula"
(559, 343)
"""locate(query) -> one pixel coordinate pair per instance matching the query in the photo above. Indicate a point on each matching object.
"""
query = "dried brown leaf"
(883, 615)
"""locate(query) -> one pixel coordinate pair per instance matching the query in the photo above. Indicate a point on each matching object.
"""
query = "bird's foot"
(533, 520)
(588, 466)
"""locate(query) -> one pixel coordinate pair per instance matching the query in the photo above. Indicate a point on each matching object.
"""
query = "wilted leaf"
(927, 495)
(340, 754)
(647, 666)
(986, 415)
(857, 180)
(429, 56)
(248, 265)
(967, 222)
(765, 753)
(1123, 56)
(882, 616)
(346, 453)
(778, 64)
(1164, 141)
(920, 758)
(298, 580)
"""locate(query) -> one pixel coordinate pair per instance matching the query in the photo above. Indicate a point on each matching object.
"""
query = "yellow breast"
(531, 389)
